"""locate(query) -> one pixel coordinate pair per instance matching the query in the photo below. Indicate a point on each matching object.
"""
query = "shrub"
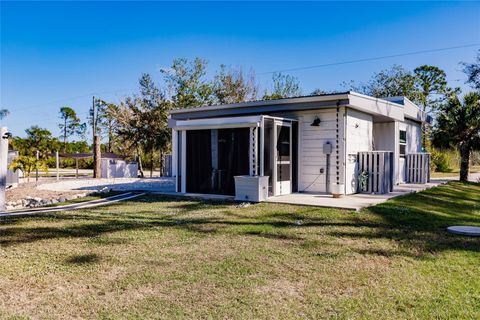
(441, 161)
(475, 158)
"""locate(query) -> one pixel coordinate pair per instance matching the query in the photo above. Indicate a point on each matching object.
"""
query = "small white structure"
(325, 144)
(115, 168)
(251, 188)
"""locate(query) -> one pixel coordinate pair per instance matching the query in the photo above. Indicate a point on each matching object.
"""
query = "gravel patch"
(30, 190)
(119, 184)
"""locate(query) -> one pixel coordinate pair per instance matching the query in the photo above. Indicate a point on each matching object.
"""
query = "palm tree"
(458, 125)
(4, 113)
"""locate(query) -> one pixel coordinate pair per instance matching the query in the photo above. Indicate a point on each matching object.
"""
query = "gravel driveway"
(119, 184)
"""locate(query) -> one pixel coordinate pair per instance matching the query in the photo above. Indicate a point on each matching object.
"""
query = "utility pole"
(96, 142)
(3, 165)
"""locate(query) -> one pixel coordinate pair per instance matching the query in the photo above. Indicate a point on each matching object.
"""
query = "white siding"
(414, 144)
(414, 136)
(359, 137)
(384, 136)
(310, 148)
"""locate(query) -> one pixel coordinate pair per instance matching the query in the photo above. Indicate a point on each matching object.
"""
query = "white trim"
(262, 146)
(255, 150)
(376, 107)
(218, 123)
(264, 103)
(250, 153)
(174, 157)
(275, 182)
(274, 157)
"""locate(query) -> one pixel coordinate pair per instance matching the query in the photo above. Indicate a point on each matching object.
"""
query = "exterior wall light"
(316, 122)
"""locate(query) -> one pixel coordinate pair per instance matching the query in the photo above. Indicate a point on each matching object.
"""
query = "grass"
(157, 257)
(454, 173)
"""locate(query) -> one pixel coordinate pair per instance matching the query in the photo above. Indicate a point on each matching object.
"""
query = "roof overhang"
(376, 107)
(216, 123)
(379, 108)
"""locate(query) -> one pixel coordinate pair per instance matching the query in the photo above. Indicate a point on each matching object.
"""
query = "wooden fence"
(167, 166)
(377, 168)
(417, 168)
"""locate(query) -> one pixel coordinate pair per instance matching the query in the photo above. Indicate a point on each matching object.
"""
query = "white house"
(320, 144)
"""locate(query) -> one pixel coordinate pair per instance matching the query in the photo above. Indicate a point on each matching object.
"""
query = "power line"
(372, 58)
(72, 98)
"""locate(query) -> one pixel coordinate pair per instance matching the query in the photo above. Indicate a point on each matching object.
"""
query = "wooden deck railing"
(377, 168)
(417, 168)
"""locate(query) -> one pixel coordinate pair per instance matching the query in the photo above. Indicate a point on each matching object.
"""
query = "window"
(403, 142)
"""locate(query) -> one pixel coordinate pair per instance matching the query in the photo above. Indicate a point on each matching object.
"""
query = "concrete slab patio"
(165, 186)
(351, 202)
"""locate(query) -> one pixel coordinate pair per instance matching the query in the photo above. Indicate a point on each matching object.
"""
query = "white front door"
(283, 158)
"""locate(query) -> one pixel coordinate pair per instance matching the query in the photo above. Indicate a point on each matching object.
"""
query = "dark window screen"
(199, 161)
(179, 161)
(233, 157)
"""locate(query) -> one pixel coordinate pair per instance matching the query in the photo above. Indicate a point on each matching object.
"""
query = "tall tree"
(284, 86)
(187, 84)
(232, 86)
(37, 139)
(71, 125)
(458, 126)
(4, 113)
(431, 85)
(472, 70)
(395, 81)
(143, 119)
(106, 123)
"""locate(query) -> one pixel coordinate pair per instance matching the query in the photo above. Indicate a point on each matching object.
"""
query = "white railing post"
(3, 165)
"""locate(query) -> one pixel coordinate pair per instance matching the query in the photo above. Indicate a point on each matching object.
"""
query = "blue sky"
(60, 53)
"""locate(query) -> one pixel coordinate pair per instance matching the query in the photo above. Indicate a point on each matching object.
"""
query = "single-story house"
(333, 143)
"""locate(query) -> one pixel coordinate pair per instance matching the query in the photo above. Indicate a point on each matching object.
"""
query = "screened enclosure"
(214, 157)
(208, 158)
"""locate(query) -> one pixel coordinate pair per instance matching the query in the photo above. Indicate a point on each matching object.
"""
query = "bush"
(475, 158)
(444, 160)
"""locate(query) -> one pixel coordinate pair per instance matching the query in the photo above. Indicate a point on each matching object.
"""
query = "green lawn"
(157, 257)
(454, 173)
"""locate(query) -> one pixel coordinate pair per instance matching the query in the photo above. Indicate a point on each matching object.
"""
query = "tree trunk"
(464, 161)
(109, 139)
(140, 166)
(424, 136)
(97, 157)
(65, 136)
(110, 134)
(151, 163)
(162, 164)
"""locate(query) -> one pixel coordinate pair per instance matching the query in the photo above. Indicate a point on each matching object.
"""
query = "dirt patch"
(29, 189)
